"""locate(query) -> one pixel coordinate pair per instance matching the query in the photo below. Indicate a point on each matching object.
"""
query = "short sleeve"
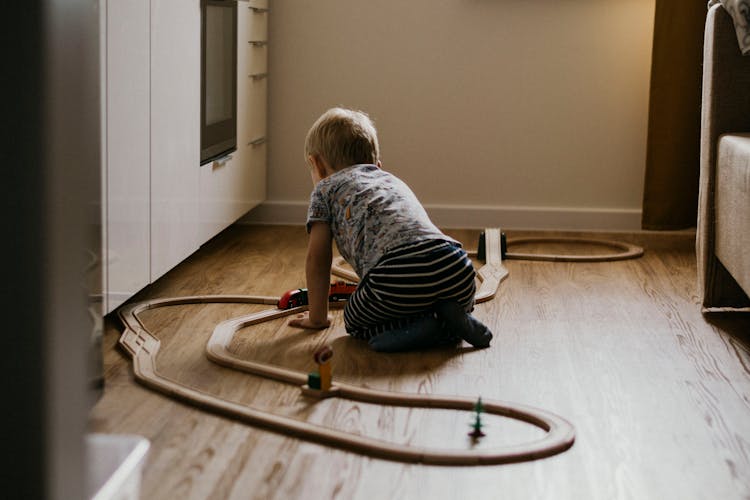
(318, 210)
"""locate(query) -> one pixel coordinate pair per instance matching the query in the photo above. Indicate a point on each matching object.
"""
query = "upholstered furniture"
(723, 241)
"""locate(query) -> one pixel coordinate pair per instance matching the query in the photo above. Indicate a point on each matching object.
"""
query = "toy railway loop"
(143, 347)
(626, 250)
(559, 436)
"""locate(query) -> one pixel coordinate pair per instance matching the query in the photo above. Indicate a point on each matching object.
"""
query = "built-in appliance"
(218, 79)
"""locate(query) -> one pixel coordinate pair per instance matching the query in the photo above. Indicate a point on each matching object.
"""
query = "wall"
(511, 113)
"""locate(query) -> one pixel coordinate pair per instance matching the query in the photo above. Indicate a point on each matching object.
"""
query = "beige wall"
(496, 112)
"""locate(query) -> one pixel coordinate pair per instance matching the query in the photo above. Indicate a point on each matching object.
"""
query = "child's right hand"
(303, 321)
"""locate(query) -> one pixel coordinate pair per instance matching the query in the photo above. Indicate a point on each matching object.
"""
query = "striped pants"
(406, 283)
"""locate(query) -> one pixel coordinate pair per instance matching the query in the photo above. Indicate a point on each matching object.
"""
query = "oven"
(218, 79)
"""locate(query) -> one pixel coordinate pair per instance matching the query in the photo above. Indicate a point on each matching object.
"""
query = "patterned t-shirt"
(370, 212)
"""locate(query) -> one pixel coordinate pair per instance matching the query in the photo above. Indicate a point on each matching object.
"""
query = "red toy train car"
(340, 290)
(293, 298)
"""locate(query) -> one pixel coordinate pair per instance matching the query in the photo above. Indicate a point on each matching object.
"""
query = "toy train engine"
(293, 298)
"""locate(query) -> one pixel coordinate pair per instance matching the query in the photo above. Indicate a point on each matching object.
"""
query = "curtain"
(670, 198)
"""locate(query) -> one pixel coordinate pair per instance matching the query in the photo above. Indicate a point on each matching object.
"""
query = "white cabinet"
(159, 204)
(229, 188)
(175, 131)
(126, 139)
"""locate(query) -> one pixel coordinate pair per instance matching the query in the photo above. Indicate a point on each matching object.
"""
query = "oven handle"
(220, 162)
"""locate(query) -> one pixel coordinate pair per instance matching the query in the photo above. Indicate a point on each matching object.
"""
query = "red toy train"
(340, 290)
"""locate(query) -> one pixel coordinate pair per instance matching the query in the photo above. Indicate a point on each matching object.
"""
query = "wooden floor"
(658, 393)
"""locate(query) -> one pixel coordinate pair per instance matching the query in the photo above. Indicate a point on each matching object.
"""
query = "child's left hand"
(303, 321)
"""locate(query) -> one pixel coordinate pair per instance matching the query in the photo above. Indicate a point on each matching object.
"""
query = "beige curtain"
(670, 199)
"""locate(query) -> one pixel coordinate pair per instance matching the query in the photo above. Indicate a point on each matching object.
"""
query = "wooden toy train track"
(623, 250)
(143, 347)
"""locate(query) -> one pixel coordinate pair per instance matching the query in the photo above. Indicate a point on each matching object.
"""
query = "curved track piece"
(143, 346)
(626, 250)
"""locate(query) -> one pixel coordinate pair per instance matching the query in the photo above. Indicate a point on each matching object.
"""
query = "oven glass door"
(218, 79)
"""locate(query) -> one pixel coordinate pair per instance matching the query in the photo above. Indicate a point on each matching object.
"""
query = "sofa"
(723, 233)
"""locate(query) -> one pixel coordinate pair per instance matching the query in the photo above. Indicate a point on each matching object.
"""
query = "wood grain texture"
(660, 395)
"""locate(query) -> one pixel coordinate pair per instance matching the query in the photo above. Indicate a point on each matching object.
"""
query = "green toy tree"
(476, 432)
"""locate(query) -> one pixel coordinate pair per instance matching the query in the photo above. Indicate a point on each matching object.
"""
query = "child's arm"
(318, 274)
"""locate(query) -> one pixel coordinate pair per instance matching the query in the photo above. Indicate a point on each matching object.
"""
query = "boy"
(417, 284)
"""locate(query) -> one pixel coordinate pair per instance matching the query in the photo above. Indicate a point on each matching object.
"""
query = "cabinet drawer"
(257, 59)
(223, 194)
(257, 24)
(256, 165)
(257, 106)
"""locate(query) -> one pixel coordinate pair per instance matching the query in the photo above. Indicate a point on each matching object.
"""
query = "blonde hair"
(343, 137)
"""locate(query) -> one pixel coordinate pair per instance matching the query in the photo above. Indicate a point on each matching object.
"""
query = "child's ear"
(318, 165)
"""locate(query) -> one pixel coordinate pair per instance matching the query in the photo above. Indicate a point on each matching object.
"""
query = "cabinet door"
(126, 150)
(175, 131)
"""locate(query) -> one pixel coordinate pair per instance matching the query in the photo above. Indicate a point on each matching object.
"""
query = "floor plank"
(659, 394)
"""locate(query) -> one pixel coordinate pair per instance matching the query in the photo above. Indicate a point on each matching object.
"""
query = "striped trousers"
(406, 283)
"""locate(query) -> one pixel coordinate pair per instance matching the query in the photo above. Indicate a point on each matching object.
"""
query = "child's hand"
(303, 321)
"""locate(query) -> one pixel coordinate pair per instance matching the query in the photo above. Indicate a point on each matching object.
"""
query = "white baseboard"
(472, 217)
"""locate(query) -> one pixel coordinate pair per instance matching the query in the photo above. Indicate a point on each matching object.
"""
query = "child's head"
(343, 137)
